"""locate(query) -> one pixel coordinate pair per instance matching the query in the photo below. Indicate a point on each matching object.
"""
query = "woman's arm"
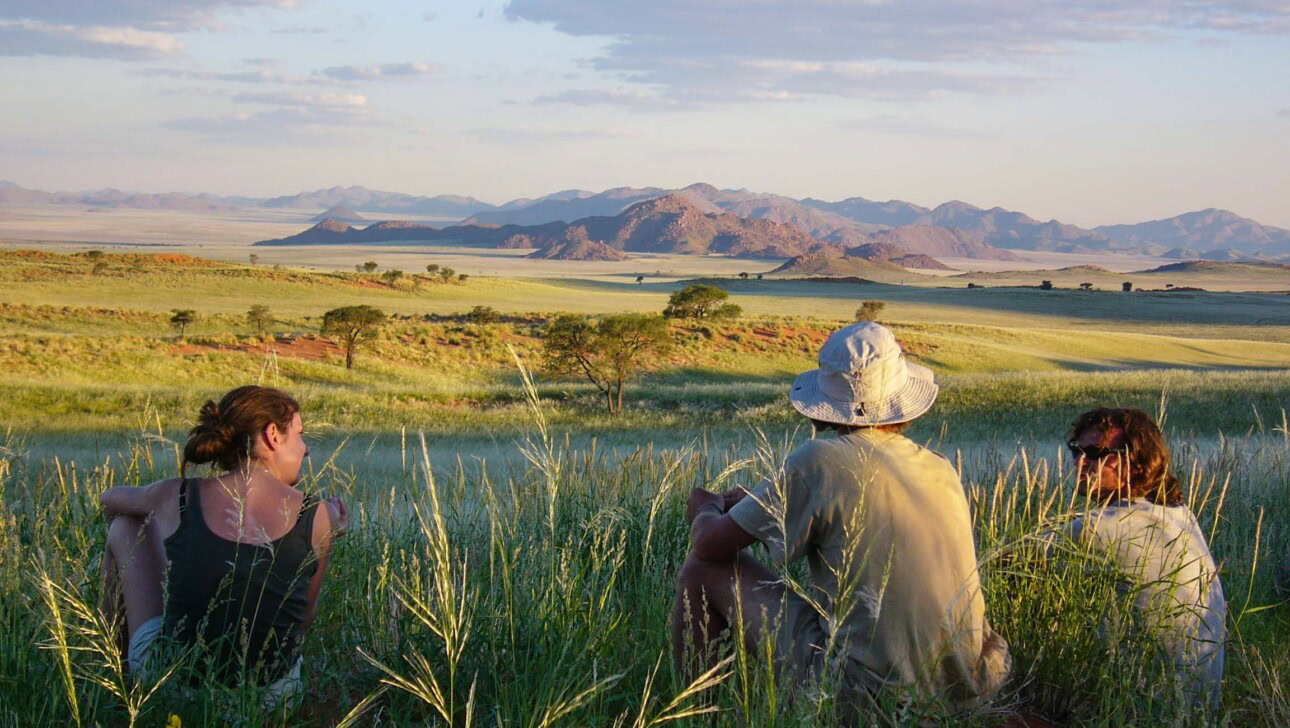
(331, 522)
(136, 501)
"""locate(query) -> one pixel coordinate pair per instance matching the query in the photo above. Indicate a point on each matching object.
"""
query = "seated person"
(232, 562)
(894, 599)
(1140, 523)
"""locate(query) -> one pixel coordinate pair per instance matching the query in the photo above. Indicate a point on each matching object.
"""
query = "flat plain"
(523, 541)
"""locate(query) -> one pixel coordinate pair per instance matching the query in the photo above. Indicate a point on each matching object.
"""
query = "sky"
(1087, 111)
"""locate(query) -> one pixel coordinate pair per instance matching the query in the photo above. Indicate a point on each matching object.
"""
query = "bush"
(869, 310)
(483, 315)
(1046, 285)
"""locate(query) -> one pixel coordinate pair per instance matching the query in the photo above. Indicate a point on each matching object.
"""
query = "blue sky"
(1088, 111)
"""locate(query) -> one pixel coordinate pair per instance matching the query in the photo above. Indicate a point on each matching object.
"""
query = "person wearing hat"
(894, 598)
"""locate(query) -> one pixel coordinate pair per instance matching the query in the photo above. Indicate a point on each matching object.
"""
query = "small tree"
(461, 277)
(354, 326)
(446, 274)
(180, 318)
(259, 317)
(608, 353)
(1127, 286)
(391, 276)
(640, 280)
(370, 266)
(483, 315)
(432, 269)
(759, 275)
(869, 310)
(98, 268)
(743, 276)
(695, 302)
(1046, 285)
(1086, 286)
(255, 259)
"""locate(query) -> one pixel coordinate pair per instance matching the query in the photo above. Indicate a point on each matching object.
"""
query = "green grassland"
(534, 574)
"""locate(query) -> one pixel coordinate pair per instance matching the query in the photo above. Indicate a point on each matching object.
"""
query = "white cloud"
(33, 37)
(710, 51)
(283, 125)
(381, 71)
(129, 30)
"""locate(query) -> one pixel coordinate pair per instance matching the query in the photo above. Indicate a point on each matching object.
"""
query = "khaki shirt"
(885, 529)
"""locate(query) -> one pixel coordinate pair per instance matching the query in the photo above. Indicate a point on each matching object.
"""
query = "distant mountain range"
(669, 224)
(953, 229)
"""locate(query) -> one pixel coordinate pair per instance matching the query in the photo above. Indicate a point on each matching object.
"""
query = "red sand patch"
(303, 347)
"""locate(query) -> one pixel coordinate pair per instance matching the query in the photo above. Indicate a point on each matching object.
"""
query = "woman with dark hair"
(1140, 523)
(231, 564)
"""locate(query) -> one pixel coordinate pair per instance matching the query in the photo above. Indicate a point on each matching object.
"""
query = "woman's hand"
(733, 496)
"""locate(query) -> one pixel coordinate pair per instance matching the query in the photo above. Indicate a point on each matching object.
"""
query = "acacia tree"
(699, 302)
(180, 318)
(392, 276)
(869, 310)
(354, 326)
(370, 266)
(608, 352)
(260, 317)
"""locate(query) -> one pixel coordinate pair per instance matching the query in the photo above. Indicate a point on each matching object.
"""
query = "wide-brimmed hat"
(864, 379)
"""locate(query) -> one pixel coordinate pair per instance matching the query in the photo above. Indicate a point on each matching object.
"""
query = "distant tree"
(1046, 285)
(446, 274)
(759, 275)
(370, 266)
(743, 276)
(869, 310)
(640, 279)
(93, 254)
(483, 315)
(1086, 286)
(1169, 285)
(259, 317)
(98, 268)
(180, 318)
(461, 277)
(609, 352)
(354, 326)
(392, 276)
(1127, 286)
(432, 269)
(255, 259)
(696, 302)
(973, 285)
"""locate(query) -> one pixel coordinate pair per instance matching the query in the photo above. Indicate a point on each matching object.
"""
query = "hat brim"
(912, 401)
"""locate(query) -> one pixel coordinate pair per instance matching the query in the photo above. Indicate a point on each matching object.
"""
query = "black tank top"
(243, 603)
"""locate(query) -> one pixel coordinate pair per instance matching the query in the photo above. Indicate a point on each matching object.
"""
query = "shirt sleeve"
(779, 512)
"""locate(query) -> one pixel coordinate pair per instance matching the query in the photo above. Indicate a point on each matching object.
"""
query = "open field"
(553, 530)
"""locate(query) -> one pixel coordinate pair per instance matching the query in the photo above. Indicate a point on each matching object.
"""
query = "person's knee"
(125, 533)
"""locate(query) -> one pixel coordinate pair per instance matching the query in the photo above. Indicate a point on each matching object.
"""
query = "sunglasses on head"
(1091, 452)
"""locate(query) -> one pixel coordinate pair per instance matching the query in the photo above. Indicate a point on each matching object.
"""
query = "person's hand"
(731, 497)
(340, 523)
(700, 499)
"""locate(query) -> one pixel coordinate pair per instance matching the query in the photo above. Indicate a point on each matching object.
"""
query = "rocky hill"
(831, 264)
(939, 242)
(891, 254)
(578, 250)
(1204, 230)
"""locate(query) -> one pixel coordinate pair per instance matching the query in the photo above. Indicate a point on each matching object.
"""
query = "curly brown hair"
(1147, 454)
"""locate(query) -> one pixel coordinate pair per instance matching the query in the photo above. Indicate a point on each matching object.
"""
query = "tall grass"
(536, 591)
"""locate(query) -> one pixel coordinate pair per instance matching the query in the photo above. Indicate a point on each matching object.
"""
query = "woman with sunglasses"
(1138, 521)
